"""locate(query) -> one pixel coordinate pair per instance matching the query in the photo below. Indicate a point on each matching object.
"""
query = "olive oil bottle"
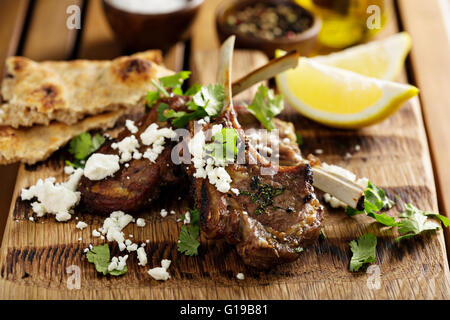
(347, 22)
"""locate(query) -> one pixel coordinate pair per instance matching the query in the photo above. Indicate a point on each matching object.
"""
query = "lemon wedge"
(382, 59)
(341, 98)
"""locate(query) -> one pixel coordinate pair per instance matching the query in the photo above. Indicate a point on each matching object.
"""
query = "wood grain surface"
(394, 154)
(12, 15)
(430, 66)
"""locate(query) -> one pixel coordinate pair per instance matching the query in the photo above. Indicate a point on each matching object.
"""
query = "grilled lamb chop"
(271, 218)
(133, 187)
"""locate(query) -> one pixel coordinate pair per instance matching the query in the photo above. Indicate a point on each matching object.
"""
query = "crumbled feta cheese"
(348, 155)
(118, 263)
(142, 256)
(86, 250)
(99, 166)
(163, 213)
(187, 217)
(357, 147)
(318, 151)
(172, 212)
(240, 276)
(334, 202)
(161, 273)
(132, 247)
(154, 138)
(113, 225)
(80, 239)
(31, 219)
(54, 198)
(81, 225)
(131, 126)
(95, 233)
(69, 170)
(140, 222)
(286, 140)
(128, 242)
(128, 149)
(235, 191)
(165, 263)
(208, 168)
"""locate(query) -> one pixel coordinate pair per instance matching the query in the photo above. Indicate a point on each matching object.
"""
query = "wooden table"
(417, 138)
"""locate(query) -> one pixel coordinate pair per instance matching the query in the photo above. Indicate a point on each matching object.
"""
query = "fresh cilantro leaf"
(161, 112)
(100, 257)
(364, 251)
(182, 120)
(299, 137)
(160, 88)
(322, 235)
(76, 163)
(375, 200)
(174, 81)
(224, 147)
(84, 145)
(209, 98)
(266, 106)
(414, 221)
(152, 97)
(195, 88)
(187, 241)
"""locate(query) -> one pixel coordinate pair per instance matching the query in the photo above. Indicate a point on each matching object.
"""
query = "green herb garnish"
(82, 146)
(364, 251)
(263, 194)
(375, 200)
(174, 83)
(187, 241)
(266, 106)
(414, 221)
(224, 147)
(299, 138)
(100, 257)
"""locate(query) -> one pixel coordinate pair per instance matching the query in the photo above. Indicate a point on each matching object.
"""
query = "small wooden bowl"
(138, 32)
(302, 42)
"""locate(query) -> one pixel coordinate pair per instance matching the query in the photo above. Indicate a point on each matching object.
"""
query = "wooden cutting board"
(35, 256)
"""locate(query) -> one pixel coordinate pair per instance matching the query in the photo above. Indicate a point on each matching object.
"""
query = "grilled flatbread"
(40, 92)
(30, 145)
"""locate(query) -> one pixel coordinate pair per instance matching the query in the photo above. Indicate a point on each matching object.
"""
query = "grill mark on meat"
(272, 236)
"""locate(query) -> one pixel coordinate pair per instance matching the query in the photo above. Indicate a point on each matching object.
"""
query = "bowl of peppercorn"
(267, 25)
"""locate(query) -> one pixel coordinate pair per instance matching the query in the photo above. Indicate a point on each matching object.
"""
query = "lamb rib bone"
(339, 187)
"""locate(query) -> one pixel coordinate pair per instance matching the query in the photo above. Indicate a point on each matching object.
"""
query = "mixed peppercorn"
(270, 21)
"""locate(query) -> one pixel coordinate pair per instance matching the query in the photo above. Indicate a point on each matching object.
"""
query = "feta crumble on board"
(113, 225)
(54, 198)
(131, 126)
(118, 263)
(235, 191)
(240, 276)
(163, 213)
(81, 225)
(142, 256)
(99, 166)
(140, 222)
(160, 273)
(333, 202)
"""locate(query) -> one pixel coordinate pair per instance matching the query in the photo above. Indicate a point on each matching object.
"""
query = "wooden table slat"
(12, 17)
(430, 61)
